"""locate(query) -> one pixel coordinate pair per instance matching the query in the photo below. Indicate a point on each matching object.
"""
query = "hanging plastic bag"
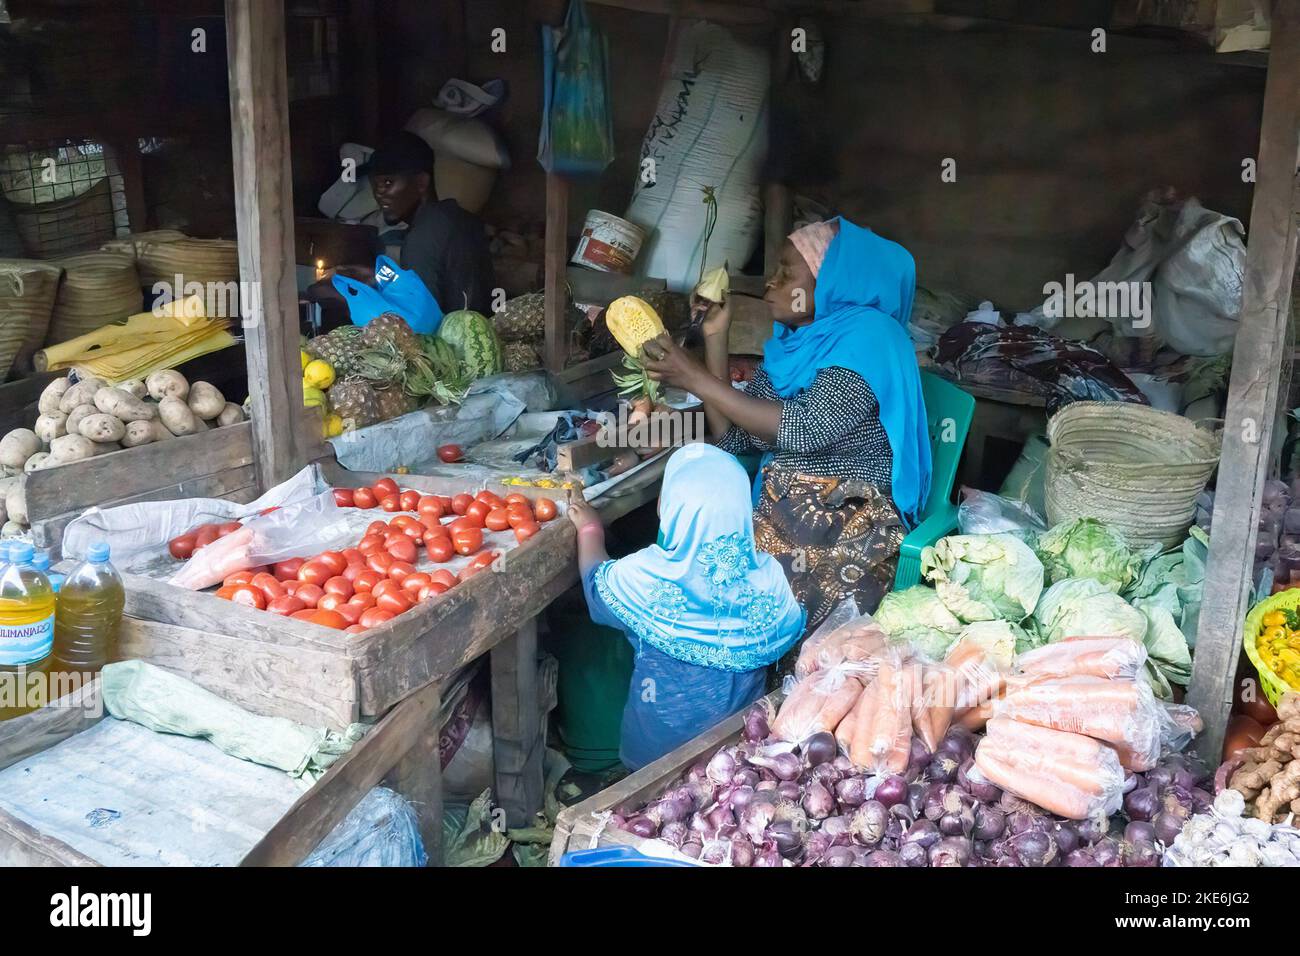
(397, 290)
(577, 135)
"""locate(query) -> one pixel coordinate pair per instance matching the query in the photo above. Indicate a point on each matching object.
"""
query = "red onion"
(1105, 852)
(1141, 853)
(745, 777)
(943, 768)
(742, 851)
(675, 832)
(768, 855)
(1130, 781)
(916, 798)
(765, 786)
(870, 822)
(820, 748)
(1067, 837)
(923, 832)
(1139, 832)
(913, 854)
(1142, 804)
(1081, 858)
(950, 851)
(618, 821)
(826, 774)
(755, 819)
(757, 723)
(838, 828)
(990, 823)
(838, 856)
(642, 826)
(818, 802)
(1033, 848)
(1093, 829)
(722, 766)
(699, 771)
(788, 790)
(741, 797)
(788, 842)
(843, 764)
(1225, 772)
(970, 779)
(891, 790)
(693, 848)
(1167, 826)
(851, 791)
(1202, 801)
(884, 858)
(786, 766)
(717, 852)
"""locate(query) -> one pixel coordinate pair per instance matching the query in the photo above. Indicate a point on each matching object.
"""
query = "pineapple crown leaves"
(636, 381)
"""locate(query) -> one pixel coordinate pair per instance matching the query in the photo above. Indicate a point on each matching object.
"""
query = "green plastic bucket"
(595, 669)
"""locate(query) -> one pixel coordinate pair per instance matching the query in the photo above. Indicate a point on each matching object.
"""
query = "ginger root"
(1281, 790)
(1288, 708)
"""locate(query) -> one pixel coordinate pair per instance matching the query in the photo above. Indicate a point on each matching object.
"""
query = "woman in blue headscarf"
(836, 409)
(706, 612)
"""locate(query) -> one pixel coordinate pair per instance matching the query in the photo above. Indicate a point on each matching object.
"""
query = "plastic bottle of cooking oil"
(26, 632)
(41, 561)
(90, 613)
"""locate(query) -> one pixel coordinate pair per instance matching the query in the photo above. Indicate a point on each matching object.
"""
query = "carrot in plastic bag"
(847, 730)
(883, 744)
(1068, 774)
(817, 703)
(217, 561)
(841, 617)
(1106, 657)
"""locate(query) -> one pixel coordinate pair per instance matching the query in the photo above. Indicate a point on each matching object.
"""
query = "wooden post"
(259, 117)
(418, 778)
(1253, 389)
(517, 744)
(557, 256)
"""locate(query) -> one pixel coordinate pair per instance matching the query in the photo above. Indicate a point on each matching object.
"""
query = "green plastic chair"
(948, 414)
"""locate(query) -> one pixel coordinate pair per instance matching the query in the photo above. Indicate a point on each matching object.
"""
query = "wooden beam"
(517, 742)
(556, 288)
(1253, 388)
(418, 778)
(259, 117)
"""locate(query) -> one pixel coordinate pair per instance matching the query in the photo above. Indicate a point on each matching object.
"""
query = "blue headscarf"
(706, 595)
(862, 303)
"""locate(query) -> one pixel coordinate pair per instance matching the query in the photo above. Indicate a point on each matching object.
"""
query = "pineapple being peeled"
(714, 285)
(633, 322)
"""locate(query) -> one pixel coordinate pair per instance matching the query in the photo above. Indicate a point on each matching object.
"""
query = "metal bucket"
(608, 243)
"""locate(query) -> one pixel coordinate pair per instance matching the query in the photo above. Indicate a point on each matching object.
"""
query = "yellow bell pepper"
(1274, 619)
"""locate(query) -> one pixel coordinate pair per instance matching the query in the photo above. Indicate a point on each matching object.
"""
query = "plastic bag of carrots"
(845, 635)
(1069, 774)
(819, 702)
(877, 733)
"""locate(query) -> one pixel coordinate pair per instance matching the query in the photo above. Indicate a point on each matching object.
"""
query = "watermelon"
(475, 340)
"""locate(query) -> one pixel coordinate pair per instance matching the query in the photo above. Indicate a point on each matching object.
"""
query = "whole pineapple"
(340, 348)
(521, 318)
(393, 402)
(391, 327)
(355, 402)
(520, 356)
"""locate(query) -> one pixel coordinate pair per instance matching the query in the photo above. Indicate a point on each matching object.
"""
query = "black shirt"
(448, 248)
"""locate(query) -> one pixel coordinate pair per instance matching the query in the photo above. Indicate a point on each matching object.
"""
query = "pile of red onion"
(767, 802)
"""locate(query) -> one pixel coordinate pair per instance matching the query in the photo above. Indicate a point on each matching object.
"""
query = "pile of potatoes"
(89, 418)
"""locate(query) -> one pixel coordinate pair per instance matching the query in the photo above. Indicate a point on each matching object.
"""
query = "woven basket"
(98, 288)
(1273, 684)
(1133, 467)
(195, 260)
(27, 292)
(136, 244)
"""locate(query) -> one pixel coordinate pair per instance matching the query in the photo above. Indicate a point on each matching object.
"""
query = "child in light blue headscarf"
(706, 611)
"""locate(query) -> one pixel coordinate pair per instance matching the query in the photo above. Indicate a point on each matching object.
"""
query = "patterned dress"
(825, 510)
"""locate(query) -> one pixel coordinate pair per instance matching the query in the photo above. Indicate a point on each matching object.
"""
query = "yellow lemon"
(313, 397)
(318, 374)
(333, 425)
(305, 358)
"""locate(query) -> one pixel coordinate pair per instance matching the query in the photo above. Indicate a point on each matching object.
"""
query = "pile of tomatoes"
(364, 586)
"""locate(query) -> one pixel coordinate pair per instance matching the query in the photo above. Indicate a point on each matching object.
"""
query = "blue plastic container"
(617, 856)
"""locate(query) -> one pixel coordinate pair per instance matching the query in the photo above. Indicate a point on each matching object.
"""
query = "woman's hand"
(668, 362)
(717, 318)
(583, 514)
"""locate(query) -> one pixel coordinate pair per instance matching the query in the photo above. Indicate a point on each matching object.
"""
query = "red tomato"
(400, 570)
(445, 576)
(353, 556)
(291, 586)
(377, 527)
(309, 594)
(329, 619)
(525, 531)
(352, 570)
(545, 509)
(355, 629)
(460, 503)
(484, 558)
(415, 580)
(445, 501)
(248, 595)
(391, 503)
(450, 453)
(268, 585)
(374, 616)
(239, 577)
(386, 586)
(339, 585)
(305, 615)
(430, 505)
(384, 487)
(366, 580)
(516, 518)
(333, 560)
(469, 571)
(403, 550)
(515, 498)
(364, 498)
(370, 543)
(225, 591)
(467, 540)
(344, 497)
(432, 589)
(439, 548)
(410, 500)
(392, 538)
(230, 527)
(394, 602)
(404, 521)
(490, 499)
(497, 520)
(478, 510)
(351, 612)
(205, 536)
(380, 562)
(362, 599)
(331, 602)
(429, 523)
(182, 547)
(285, 605)
(315, 572)
(288, 570)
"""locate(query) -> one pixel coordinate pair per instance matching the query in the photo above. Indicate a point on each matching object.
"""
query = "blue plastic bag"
(398, 290)
(577, 124)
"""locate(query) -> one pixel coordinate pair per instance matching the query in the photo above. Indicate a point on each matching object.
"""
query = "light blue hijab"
(706, 595)
(862, 303)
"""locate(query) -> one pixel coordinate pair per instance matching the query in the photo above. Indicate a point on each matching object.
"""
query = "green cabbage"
(918, 616)
(1000, 640)
(984, 577)
(1087, 548)
(1174, 581)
